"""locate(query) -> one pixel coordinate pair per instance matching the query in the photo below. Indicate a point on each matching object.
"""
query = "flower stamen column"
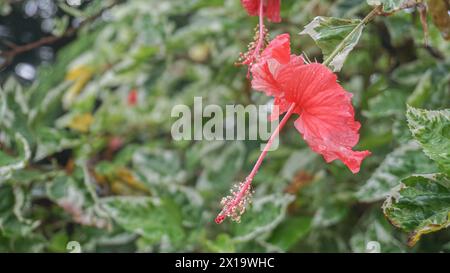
(234, 205)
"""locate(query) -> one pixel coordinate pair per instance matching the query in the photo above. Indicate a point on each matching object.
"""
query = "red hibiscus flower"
(271, 8)
(326, 116)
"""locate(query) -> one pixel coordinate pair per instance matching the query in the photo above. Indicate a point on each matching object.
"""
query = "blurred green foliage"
(80, 162)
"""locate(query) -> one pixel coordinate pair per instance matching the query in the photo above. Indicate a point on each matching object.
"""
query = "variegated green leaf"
(74, 197)
(12, 219)
(10, 164)
(388, 5)
(432, 130)
(155, 220)
(405, 160)
(420, 205)
(336, 38)
(266, 214)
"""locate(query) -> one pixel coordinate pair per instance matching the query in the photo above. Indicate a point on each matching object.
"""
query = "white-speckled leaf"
(420, 205)
(432, 130)
(8, 164)
(155, 220)
(335, 37)
(405, 160)
(388, 5)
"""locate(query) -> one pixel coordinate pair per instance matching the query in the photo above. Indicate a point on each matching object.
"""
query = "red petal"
(327, 121)
(279, 49)
(271, 9)
(252, 6)
(264, 74)
(282, 105)
(269, 76)
(272, 62)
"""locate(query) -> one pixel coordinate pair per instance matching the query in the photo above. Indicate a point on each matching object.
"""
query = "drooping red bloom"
(326, 116)
(271, 8)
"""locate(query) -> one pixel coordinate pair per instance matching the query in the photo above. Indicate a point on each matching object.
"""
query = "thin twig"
(423, 20)
(20, 49)
(9, 44)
